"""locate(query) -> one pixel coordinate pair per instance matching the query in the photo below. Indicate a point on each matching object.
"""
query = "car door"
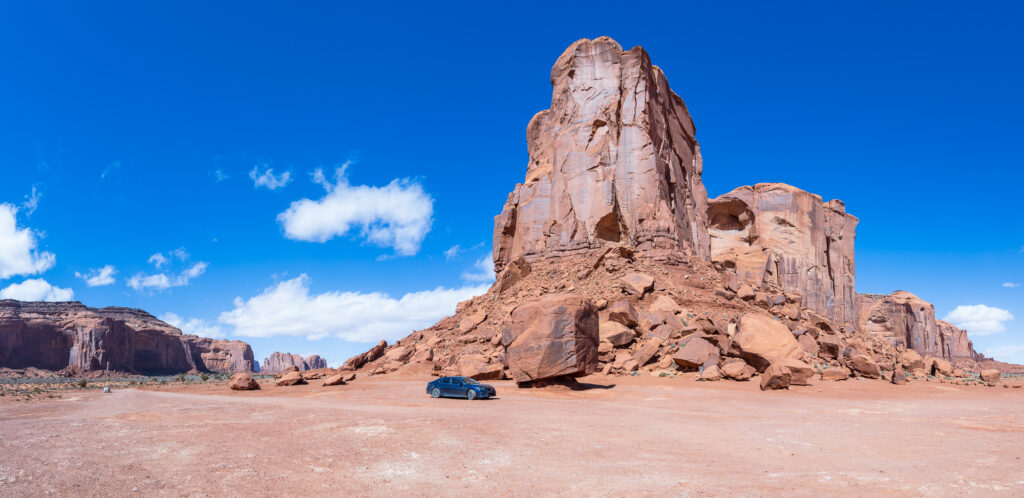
(446, 386)
(457, 387)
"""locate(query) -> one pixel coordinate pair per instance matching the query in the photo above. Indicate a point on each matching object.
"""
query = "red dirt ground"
(644, 436)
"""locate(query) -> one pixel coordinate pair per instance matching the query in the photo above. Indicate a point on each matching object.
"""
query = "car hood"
(485, 386)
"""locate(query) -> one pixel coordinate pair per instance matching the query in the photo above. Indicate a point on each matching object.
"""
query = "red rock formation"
(315, 362)
(908, 321)
(55, 336)
(776, 234)
(615, 159)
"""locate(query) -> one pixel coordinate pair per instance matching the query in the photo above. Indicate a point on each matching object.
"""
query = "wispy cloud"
(31, 201)
(268, 179)
(397, 215)
(98, 276)
(483, 271)
(1011, 285)
(979, 319)
(1004, 351)
(452, 252)
(161, 281)
(111, 168)
(220, 175)
(194, 326)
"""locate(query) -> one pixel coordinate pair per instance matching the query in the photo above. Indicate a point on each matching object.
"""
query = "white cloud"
(157, 260)
(98, 276)
(484, 271)
(111, 168)
(220, 175)
(195, 326)
(268, 179)
(161, 281)
(31, 201)
(1011, 285)
(1002, 352)
(397, 215)
(452, 252)
(979, 319)
(288, 309)
(36, 289)
(18, 254)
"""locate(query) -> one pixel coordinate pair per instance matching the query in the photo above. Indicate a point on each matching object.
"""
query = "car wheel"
(470, 394)
(435, 393)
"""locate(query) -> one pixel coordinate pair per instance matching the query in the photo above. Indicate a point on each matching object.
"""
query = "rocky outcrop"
(614, 160)
(552, 337)
(776, 234)
(282, 362)
(907, 321)
(69, 335)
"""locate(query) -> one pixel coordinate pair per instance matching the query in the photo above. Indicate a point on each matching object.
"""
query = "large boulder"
(335, 380)
(364, 358)
(551, 337)
(695, 352)
(762, 340)
(835, 373)
(477, 367)
(800, 372)
(243, 382)
(941, 367)
(990, 375)
(666, 306)
(637, 283)
(911, 360)
(646, 352)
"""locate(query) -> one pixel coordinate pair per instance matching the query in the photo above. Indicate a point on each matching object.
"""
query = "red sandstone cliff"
(56, 336)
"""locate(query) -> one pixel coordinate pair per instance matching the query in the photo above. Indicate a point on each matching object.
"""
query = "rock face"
(56, 336)
(282, 362)
(777, 234)
(552, 337)
(615, 159)
(908, 321)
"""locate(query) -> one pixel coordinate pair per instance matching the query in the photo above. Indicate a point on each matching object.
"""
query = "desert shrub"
(82, 383)
(204, 377)
(181, 377)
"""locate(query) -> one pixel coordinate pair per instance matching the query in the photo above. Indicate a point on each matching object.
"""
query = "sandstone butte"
(72, 337)
(611, 258)
(281, 362)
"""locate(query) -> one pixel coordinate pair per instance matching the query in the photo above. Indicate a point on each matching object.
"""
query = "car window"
(457, 382)
(446, 380)
(472, 381)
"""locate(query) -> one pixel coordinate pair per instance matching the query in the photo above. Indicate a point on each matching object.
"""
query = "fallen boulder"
(762, 340)
(638, 284)
(335, 380)
(616, 333)
(864, 366)
(243, 382)
(990, 375)
(711, 373)
(696, 352)
(290, 379)
(911, 360)
(551, 337)
(835, 373)
(775, 377)
(738, 370)
(623, 312)
(800, 372)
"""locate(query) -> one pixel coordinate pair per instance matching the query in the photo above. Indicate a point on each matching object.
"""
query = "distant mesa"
(282, 362)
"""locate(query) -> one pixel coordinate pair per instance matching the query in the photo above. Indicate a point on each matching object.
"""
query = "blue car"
(459, 387)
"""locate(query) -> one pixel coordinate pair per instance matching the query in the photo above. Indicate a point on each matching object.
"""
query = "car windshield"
(470, 381)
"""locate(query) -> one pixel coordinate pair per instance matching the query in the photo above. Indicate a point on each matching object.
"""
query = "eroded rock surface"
(282, 362)
(908, 321)
(552, 337)
(773, 233)
(615, 159)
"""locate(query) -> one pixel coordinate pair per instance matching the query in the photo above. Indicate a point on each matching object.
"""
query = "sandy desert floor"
(631, 436)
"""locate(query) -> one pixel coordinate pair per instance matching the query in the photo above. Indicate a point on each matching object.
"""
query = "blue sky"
(195, 131)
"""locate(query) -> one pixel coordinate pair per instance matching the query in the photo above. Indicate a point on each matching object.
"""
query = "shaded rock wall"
(773, 233)
(55, 336)
(615, 159)
(280, 362)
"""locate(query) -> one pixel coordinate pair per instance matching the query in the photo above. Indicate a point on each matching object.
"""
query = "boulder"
(746, 292)
(830, 346)
(711, 373)
(291, 379)
(647, 351)
(911, 360)
(696, 352)
(809, 345)
(616, 333)
(551, 337)
(990, 375)
(941, 367)
(899, 377)
(335, 380)
(666, 306)
(800, 372)
(243, 382)
(762, 340)
(775, 377)
(864, 366)
(477, 367)
(637, 284)
(738, 370)
(511, 273)
(469, 323)
(349, 377)
(835, 373)
(623, 312)
(364, 358)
